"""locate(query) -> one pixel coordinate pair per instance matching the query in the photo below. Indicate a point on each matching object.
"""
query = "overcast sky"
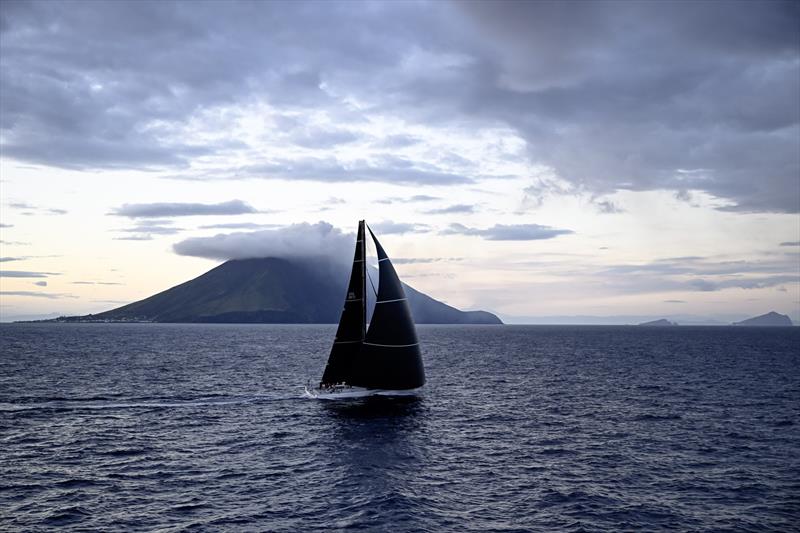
(531, 159)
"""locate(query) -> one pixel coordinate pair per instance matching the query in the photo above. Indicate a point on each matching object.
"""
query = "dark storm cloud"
(511, 232)
(613, 95)
(627, 94)
(233, 207)
(103, 84)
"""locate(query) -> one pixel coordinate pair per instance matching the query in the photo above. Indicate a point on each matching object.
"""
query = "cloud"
(33, 294)
(239, 225)
(674, 301)
(702, 285)
(388, 227)
(453, 209)
(513, 232)
(608, 207)
(423, 260)
(381, 168)
(5, 259)
(15, 243)
(639, 108)
(144, 229)
(701, 266)
(26, 274)
(400, 141)
(134, 238)
(40, 283)
(6, 225)
(232, 207)
(611, 95)
(410, 199)
(321, 138)
(693, 274)
(748, 284)
(21, 205)
(793, 243)
(95, 283)
(295, 241)
(153, 227)
(32, 210)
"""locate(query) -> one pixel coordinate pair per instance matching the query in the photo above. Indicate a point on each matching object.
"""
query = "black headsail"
(353, 322)
(390, 357)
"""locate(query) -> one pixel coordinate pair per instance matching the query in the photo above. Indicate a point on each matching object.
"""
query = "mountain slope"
(271, 290)
(659, 323)
(770, 319)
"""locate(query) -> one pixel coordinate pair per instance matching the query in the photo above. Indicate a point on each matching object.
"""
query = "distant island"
(269, 291)
(770, 319)
(660, 322)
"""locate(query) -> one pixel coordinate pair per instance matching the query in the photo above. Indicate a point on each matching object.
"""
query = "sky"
(533, 159)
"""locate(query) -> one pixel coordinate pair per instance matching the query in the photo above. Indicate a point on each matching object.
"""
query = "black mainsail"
(353, 322)
(387, 356)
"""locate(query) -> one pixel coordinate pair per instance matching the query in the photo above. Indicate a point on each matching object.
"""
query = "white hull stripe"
(384, 259)
(390, 301)
(344, 342)
(392, 345)
(353, 300)
(358, 260)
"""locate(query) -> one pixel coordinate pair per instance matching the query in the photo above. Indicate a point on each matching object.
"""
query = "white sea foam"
(355, 392)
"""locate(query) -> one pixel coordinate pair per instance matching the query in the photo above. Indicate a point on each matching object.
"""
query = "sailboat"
(385, 357)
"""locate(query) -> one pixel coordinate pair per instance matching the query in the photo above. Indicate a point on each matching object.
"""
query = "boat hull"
(355, 392)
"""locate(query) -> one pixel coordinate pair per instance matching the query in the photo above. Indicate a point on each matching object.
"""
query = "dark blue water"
(203, 427)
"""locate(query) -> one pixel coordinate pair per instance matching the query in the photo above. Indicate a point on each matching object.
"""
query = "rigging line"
(373, 285)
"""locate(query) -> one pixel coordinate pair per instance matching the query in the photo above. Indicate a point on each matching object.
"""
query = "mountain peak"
(659, 322)
(770, 319)
(271, 290)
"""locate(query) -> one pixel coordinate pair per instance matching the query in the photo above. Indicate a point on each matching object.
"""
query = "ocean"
(162, 427)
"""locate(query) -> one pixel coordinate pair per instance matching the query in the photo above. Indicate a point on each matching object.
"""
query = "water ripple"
(203, 428)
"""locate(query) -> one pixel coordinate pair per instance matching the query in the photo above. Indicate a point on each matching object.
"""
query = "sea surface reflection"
(203, 427)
